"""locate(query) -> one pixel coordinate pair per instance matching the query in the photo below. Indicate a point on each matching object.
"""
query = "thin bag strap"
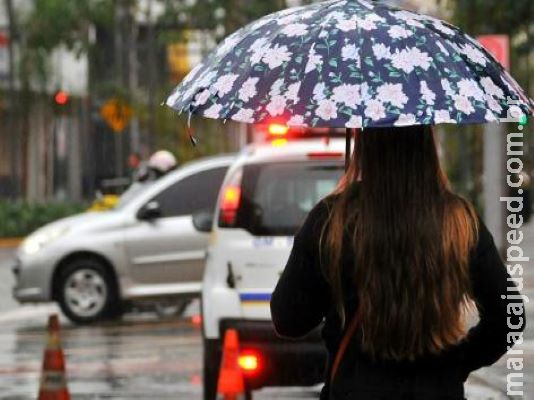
(345, 342)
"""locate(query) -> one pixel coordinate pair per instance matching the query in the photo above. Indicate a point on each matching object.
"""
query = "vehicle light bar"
(321, 155)
(278, 130)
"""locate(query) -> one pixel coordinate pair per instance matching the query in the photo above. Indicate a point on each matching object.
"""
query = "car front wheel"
(86, 291)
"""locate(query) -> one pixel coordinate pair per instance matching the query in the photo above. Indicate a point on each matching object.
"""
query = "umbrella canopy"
(353, 64)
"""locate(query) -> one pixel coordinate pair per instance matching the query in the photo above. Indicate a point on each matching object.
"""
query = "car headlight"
(43, 237)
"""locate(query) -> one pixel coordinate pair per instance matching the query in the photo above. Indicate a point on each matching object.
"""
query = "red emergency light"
(277, 130)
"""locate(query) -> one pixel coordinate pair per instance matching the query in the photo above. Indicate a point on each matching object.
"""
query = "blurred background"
(82, 82)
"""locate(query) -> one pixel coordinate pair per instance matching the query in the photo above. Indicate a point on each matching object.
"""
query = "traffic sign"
(117, 114)
(498, 46)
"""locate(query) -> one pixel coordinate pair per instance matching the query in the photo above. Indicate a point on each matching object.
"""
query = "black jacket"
(302, 300)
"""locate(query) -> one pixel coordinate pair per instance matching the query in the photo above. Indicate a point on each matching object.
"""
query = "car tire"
(212, 362)
(87, 292)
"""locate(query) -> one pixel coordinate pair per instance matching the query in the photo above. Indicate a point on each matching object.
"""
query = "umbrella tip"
(194, 140)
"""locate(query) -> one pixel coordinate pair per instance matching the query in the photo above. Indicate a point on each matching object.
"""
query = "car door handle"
(231, 278)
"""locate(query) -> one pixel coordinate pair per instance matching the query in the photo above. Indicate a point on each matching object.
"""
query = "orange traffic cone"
(53, 381)
(231, 385)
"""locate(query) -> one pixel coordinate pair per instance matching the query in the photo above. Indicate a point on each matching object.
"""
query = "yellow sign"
(117, 114)
(178, 60)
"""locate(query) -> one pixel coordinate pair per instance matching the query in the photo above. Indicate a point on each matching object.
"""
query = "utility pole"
(133, 73)
(12, 102)
(151, 53)
(118, 44)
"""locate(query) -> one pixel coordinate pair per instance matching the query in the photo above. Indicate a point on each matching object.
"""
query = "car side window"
(195, 193)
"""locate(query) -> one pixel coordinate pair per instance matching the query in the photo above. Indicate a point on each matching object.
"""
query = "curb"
(9, 243)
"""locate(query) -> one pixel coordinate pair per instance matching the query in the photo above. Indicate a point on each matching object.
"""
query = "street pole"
(12, 102)
(118, 43)
(494, 182)
(133, 75)
(119, 154)
(151, 52)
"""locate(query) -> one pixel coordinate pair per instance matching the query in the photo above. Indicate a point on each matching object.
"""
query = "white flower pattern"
(327, 110)
(470, 88)
(244, 115)
(275, 56)
(295, 30)
(276, 106)
(225, 84)
(405, 120)
(392, 93)
(463, 104)
(348, 95)
(381, 51)
(248, 90)
(350, 52)
(428, 96)
(398, 32)
(349, 64)
(375, 110)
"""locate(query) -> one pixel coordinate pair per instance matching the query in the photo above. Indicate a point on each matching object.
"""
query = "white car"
(146, 249)
(266, 195)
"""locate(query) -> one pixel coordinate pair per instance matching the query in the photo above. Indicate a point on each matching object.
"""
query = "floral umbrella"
(353, 64)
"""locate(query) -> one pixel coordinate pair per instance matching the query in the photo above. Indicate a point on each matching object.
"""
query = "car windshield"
(132, 192)
(277, 197)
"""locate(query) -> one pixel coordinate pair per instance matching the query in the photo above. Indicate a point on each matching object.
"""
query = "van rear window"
(277, 197)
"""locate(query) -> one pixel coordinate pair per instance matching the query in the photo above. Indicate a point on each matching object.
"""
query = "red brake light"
(278, 130)
(231, 197)
(249, 362)
(230, 200)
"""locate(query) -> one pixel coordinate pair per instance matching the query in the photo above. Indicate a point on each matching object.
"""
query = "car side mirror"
(149, 211)
(202, 221)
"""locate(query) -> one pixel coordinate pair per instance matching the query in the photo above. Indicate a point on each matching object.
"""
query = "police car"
(266, 195)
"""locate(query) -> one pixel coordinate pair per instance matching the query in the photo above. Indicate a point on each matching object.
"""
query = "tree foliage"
(213, 14)
(493, 16)
(65, 22)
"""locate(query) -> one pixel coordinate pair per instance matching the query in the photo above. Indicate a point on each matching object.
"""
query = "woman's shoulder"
(322, 209)
(484, 237)
(318, 215)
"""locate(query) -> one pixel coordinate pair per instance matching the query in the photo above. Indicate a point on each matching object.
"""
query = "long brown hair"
(411, 237)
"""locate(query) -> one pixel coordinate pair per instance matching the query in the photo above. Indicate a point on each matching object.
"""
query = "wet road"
(140, 357)
(143, 357)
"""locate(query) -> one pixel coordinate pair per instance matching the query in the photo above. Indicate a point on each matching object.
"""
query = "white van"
(266, 195)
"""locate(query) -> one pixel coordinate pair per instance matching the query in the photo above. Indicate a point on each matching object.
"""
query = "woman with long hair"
(392, 262)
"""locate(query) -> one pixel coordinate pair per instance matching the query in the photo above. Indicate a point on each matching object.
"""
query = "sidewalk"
(496, 374)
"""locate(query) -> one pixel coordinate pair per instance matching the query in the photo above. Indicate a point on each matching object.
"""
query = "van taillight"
(230, 201)
(250, 362)
(230, 204)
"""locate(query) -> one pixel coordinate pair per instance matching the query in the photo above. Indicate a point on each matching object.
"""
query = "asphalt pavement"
(145, 357)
